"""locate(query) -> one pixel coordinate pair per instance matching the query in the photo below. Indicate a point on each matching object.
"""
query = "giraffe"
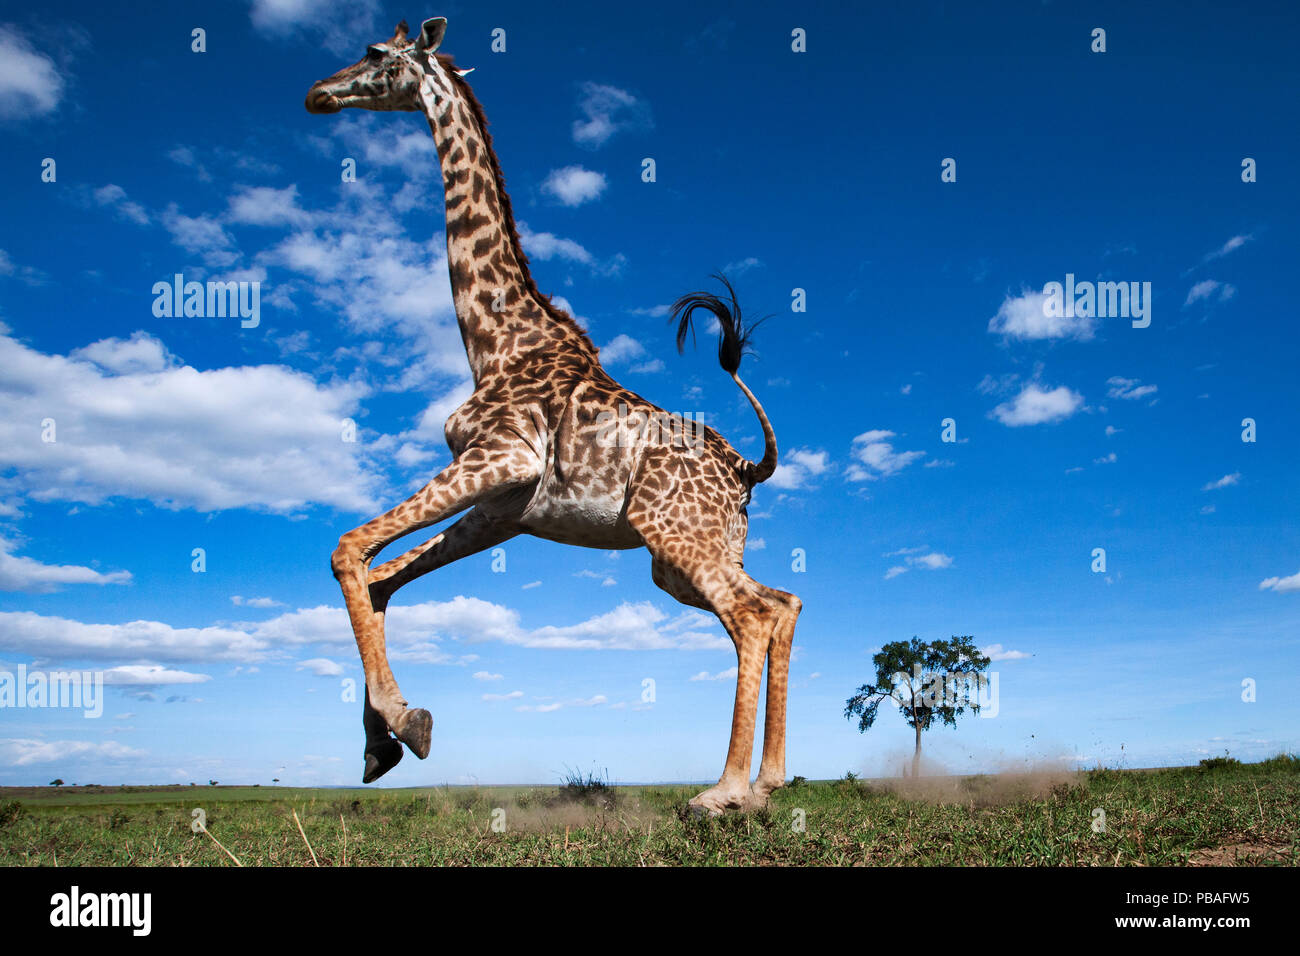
(534, 449)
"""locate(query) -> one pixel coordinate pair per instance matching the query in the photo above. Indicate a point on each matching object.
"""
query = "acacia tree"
(928, 680)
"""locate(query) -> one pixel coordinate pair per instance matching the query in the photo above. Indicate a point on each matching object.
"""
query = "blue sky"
(819, 171)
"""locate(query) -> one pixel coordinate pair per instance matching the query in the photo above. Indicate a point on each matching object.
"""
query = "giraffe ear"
(431, 34)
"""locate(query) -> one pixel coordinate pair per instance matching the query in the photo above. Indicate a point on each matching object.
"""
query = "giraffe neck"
(498, 307)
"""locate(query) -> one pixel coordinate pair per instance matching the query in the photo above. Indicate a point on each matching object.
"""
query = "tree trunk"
(916, 756)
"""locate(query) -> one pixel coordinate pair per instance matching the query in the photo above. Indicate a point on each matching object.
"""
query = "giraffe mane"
(507, 213)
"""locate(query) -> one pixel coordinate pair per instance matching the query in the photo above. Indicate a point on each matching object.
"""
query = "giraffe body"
(550, 445)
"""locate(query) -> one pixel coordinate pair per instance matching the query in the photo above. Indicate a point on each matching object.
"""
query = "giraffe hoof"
(381, 757)
(417, 732)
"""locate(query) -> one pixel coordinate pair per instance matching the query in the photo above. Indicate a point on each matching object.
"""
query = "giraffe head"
(398, 74)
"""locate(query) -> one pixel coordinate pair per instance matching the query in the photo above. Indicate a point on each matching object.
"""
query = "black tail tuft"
(736, 336)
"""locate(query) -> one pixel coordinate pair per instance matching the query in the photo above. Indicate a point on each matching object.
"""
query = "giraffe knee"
(346, 555)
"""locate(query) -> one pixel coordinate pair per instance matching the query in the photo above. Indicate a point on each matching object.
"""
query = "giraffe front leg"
(478, 474)
(382, 752)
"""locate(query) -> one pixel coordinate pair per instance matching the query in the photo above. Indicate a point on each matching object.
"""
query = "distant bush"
(1281, 762)
(1220, 763)
(796, 782)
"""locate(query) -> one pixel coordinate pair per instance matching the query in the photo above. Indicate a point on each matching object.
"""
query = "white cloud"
(513, 695)
(728, 674)
(241, 601)
(557, 705)
(574, 185)
(1227, 481)
(340, 29)
(26, 274)
(605, 111)
(321, 667)
(1236, 242)
(377, 142)
(931, 561)
(800, 467)
(622, 348)
(741, 266)
(996, 652)
(58, 638)
(546, 246)
(114, 197)
(264, 437)
(414, 633)
(201, 235)
(876, 456)
(140, 353)
(1205, 290)
(19, 573)
(1128, 388)
(1281, 585)
(1035, 406)
(135, 675)
(1026, 317)
(266, 206)
(1106, 459)
(30, 82)
(19, 752)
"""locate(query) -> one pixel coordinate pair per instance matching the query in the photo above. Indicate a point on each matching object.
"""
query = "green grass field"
(1233, 814)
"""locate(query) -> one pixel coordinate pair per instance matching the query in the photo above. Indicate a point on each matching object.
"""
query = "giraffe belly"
(588, 523)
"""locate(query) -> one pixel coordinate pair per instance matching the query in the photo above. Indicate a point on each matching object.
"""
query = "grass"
(1217, 813)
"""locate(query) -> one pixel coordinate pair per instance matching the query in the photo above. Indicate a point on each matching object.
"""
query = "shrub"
(9, 812)
(1219, 763)
(591, 789)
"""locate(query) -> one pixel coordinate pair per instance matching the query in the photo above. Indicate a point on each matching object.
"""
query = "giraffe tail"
(733, 343)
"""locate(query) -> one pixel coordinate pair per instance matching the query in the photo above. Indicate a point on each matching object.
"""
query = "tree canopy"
(929, 680)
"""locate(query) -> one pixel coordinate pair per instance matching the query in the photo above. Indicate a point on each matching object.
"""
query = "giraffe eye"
(374, 54)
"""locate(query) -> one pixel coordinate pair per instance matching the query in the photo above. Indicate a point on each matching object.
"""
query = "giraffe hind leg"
(707, 577)
(771, 773)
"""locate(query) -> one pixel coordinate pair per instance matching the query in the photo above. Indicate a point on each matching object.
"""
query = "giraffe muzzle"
(322, 101)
